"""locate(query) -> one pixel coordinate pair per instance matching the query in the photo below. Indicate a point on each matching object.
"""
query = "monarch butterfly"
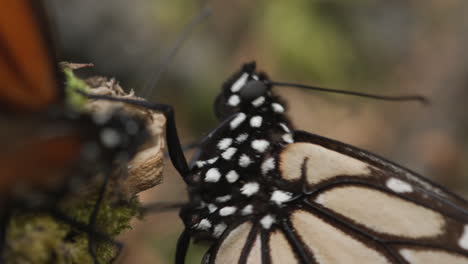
(263, 192)
(48, 146)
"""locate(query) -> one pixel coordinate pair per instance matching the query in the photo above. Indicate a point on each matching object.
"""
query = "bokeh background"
(377, 46)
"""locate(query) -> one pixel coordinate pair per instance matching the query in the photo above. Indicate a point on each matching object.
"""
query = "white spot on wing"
(267, 221)
(277, 108)
(204, 224)
(242, 137)
(256, 121)
(110, 138)
(212, 208)
(232, 176)
(250, 188)
(244, 161)
(268, 165)
(258, 101)
(212, 175)
(227, 155)
(219, 229)
(279, 197)
(248, 209)
(228, 210)
(398, 186)
(237, 120)
(200, 163)
(234, 100)
(224, 143)
(260, 145)
(463, 241)
(237, 85)
(212, 160)
(222, 199)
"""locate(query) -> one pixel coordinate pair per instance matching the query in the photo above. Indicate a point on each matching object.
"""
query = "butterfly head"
(245, 90)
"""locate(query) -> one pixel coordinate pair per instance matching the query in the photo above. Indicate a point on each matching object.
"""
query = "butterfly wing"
(38, 161)
(350, 206)
(28, 71)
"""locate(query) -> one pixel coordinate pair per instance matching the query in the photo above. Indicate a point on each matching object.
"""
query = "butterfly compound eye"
(252, 90)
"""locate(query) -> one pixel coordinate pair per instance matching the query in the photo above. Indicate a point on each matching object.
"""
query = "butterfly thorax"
(233, 177)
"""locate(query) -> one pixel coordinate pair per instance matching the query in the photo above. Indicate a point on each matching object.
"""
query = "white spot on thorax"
(267, 221)
(279, 197)
(227, 155)
(110, 138)
(288, 138)
(232, 176)
(224, 143)
(248, 209)
(234, 100)
(268, 165)
(244, 161)
(204, 224)
(222, 199)
(237, 120)
(463, 241)
(399, 186)
(212, 175)
(258, 101)
(228, 210)
(242, 137)
(260, 145)
(250, 188)
(256, 121)
(237, 85)
(219, 229)
(277, 108)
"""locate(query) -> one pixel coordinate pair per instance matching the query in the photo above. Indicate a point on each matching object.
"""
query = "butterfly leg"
(85, 228)
(5, 215)
(93, 217)
(182, 247)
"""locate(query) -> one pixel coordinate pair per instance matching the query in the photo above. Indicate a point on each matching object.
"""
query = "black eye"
(252, 90)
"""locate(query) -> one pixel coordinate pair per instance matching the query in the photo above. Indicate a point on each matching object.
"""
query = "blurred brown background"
(378, 46)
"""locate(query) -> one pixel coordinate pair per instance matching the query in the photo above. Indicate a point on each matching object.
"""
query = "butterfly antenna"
(406, 98)
(183, 36)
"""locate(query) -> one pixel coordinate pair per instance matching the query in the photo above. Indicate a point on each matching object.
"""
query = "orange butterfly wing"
(39, 162)
(28, 74)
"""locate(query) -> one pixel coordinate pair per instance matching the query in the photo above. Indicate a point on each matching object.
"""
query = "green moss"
(38, 238)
